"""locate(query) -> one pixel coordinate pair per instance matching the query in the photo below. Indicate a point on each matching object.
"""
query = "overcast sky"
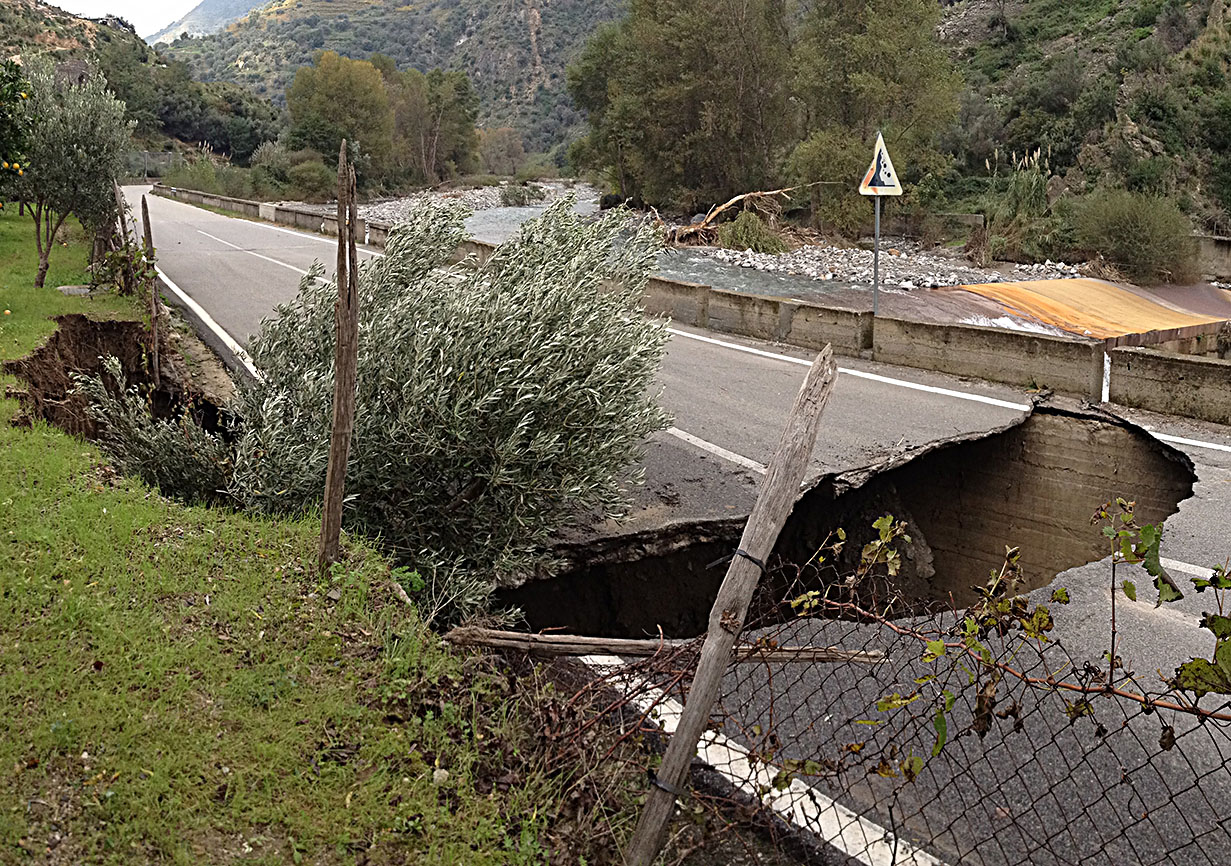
(148, 16)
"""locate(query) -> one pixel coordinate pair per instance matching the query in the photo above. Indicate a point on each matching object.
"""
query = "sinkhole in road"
(1033, 485)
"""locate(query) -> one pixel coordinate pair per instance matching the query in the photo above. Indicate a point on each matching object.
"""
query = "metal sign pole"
(880, 180)
(876, 260)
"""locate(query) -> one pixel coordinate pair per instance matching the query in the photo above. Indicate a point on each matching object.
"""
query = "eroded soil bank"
(190, 377)
(1034, 485)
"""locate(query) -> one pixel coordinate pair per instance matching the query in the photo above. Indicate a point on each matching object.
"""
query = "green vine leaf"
(1130, 589)
(1202, 676)
(941, 724)
(895, 701)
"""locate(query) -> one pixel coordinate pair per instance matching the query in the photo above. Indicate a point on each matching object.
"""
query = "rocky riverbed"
(904, 264)
(476, 199)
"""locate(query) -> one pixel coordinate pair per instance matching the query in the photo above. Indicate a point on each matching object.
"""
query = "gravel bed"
(903, 264)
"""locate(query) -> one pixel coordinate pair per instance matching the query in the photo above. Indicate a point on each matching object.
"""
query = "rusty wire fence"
(945, 736)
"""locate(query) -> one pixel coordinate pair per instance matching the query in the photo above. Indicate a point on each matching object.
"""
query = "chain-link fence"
(875, 731)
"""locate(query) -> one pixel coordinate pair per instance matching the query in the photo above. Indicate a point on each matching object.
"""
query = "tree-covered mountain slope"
(515, 51)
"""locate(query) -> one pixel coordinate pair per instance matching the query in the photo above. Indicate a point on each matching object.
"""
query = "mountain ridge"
(207, 17)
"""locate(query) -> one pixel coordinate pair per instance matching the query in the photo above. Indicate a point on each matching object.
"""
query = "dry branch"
(704, 230)
(576, 645)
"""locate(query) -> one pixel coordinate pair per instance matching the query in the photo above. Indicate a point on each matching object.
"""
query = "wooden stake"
(346, 361)
(580, 645)
(774, 504)
(151, 280)
(125, 236)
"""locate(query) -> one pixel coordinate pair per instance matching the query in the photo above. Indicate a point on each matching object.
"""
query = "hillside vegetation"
(1125, 93)
(515, 53)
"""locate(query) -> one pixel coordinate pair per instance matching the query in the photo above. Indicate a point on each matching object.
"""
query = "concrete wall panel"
(1070, 365)
(1172, 384)
(744, 314)
(812, 326)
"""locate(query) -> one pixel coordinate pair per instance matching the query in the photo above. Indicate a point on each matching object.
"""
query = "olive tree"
(75, 151)
(495, 404)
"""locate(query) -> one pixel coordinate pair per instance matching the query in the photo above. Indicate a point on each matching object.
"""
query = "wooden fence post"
(151, 280)
(346, 360)
(773, 506)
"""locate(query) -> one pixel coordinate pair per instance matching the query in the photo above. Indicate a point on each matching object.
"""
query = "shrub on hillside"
(749, 232)
(312, 181)
(1147, 238)
(173, 455)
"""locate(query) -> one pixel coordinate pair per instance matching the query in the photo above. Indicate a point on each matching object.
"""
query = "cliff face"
(515, 51)
(208, 16)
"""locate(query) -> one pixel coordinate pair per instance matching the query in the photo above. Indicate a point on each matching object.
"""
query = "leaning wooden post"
(125, 237)
(151, 280)
(773, 506)
(346, 361)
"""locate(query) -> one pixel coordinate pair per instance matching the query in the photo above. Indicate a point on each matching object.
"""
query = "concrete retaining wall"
(1070, 365)
(812, 326)
(481, 250)
(1172, 384)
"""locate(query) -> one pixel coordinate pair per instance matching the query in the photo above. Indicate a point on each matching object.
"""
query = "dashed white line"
(804, 806)
(718, 450)
(901, 383)
(239, 351)
(333, 242)
(272, 261)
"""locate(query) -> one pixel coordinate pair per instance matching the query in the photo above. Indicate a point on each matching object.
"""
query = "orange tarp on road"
(1088, 307)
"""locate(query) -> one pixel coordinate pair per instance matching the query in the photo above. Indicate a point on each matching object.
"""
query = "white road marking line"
(901, 383)
(800, 804)
(1203, 571)
(961, 395)
(931, 389)
(751, 351)
(718, 450)
(333, 242)
(1195, 443)
(266, 225)
(299, 271)
(239, 351)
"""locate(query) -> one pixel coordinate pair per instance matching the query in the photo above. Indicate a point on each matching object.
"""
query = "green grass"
(177, 685)
(28, 320)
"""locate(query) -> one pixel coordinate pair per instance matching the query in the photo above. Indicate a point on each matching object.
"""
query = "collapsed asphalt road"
(730, 397)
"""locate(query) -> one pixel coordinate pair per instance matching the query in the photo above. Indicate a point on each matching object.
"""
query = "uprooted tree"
(495, 404)
(76, 145)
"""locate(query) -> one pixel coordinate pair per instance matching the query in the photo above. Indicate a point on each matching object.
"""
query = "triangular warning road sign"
(880, 179)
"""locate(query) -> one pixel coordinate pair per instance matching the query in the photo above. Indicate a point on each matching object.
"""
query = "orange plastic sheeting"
(1092, 308)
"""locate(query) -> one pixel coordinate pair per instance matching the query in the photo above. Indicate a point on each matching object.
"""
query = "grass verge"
(177, 685)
